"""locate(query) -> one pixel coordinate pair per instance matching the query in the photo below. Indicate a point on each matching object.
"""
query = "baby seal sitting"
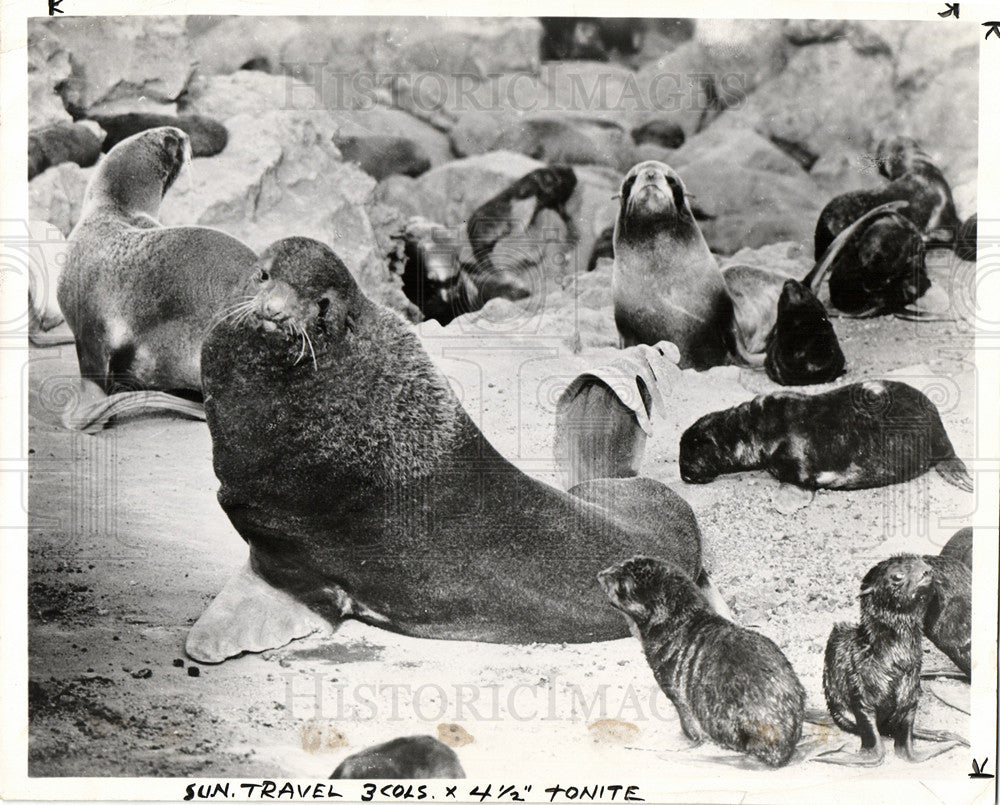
(728, 684)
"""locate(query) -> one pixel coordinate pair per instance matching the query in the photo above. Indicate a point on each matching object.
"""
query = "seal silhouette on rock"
(138, 296)
(365, 490)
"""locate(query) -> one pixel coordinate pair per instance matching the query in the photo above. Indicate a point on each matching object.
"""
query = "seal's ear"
(333, 314)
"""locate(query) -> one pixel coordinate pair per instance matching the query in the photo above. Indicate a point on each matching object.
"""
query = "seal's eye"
(264, 276)
(324, 305)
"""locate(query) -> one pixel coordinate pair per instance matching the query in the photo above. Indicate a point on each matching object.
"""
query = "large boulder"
(280, 175)
(223, 45)
(57, 194)
(246, 92)
(119, 58)
(48, 68)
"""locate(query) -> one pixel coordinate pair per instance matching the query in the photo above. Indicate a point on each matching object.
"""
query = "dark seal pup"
(871, 672)
(914, 178)
(381, 155)
(62, 142)
(419, 757)
(667, 285)
(138, 296)
(858, 436)
(208, 137)
(364, 489)
(948, 621)
(877, 265)
(729, 684)
(802, 347)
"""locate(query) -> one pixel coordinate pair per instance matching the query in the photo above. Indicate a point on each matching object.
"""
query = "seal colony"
(432, 533)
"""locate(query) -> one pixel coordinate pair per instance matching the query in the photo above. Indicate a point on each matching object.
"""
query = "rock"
(383, 121)
(680, 86)
(922, 50)
(829, 95)
(48, 68)
(736, 145)
(741, 54)
(789, 257)
(56, 196)
(223, 45)
(151, 59)
(246, 92)
(280, 175)
(809, 32)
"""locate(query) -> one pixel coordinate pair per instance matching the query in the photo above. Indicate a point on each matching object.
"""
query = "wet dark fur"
(604, 246)
(419, 757)
(381, 155)
(871, 672)
(854, 437)
(881, 269)
(62, 142)
(208, 137)
(802, 347)
(729, 684)
(551, 187)
(361, 471)
(948, 622)
(912, 177)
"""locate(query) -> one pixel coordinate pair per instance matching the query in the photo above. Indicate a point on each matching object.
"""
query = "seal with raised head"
(729, 684)
(858, 436)
(871, 671)
(667, 285)
(138, 296)
(802, 347)
(364, 489)
(914, 178)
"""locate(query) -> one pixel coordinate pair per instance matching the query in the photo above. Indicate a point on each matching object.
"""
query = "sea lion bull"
(365, 490)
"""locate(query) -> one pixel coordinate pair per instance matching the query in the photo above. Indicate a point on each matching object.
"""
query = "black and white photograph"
(401, 405)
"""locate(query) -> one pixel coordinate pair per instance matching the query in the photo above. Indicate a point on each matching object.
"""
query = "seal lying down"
(365, 490)
(857, 436)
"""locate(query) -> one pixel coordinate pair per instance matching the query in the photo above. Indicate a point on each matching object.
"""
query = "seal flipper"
(94, 415)
(249, 615)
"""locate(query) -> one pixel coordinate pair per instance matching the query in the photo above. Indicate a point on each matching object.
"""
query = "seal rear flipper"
(249, 615)
(954, 471)
(94, 416)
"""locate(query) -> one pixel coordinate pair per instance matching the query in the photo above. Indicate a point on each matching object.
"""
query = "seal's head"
(301, 297)
(647, 590)
(137, 172)
(653, 201)
(899, 155)
(900, 584)
(802, 347)
(700, 451)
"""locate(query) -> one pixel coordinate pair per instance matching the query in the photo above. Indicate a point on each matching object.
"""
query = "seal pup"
(61, 142)
(381, 155)
(876, 265)
(914, 178)
(871, 671)
(858, 436)
(208, 137)
(948, 620)
(802, 347)
(431, 532)
(729, 684)
(418, 757)
(139, 296)
(667, 285)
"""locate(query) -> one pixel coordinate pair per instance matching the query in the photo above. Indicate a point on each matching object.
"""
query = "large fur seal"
(858, 436)
(914, 178)
(667, 285)
(138, 296)
(365, 490)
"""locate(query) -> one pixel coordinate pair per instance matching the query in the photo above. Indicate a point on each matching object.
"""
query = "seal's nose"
(651, 175)
(274, 308)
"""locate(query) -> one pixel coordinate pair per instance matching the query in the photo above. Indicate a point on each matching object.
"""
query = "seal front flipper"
(249, 615)
(92, 417)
